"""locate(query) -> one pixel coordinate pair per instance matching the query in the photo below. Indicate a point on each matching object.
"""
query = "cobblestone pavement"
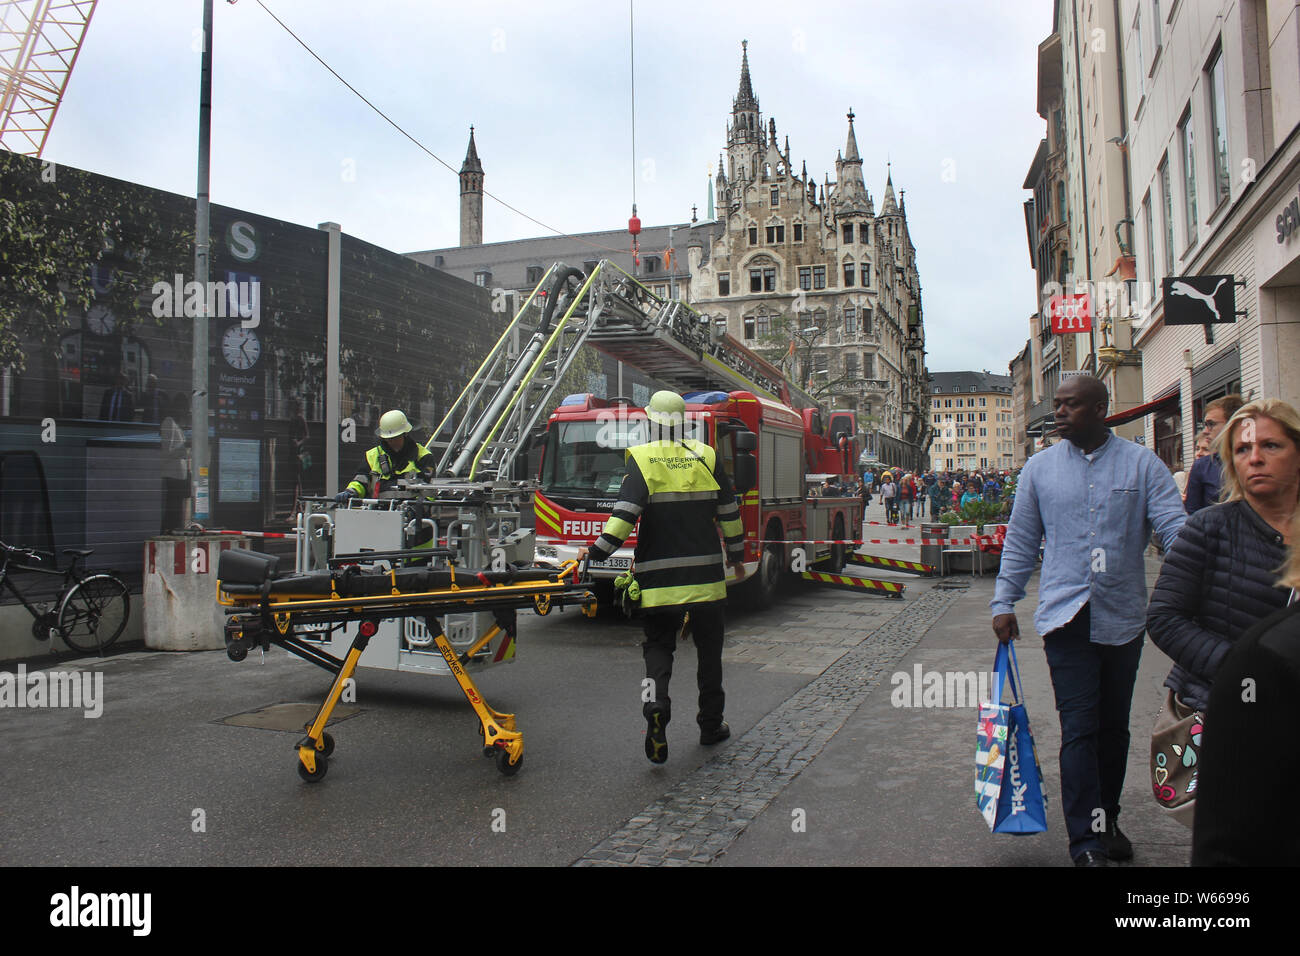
(705, 812)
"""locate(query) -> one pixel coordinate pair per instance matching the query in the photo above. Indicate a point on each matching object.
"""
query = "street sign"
(1199, 300)
(1070, 313)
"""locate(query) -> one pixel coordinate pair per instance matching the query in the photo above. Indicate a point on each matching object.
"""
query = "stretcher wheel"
(322, 764)
(237, 650)
(327, 745)
(489, 751)
(504, 764)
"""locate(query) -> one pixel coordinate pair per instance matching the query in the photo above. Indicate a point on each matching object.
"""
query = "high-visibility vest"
(675, 490)
(378, 471)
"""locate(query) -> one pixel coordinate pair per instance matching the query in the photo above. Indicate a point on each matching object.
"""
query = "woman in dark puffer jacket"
(1218, 579)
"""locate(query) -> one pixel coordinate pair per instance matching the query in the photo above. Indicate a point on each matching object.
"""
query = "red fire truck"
(583, 467)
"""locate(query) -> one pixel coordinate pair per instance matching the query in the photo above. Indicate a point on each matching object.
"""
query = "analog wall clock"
(240, 347)
(100, 320)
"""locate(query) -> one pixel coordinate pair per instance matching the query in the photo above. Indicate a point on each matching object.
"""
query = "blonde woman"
(1218, 579)
(1250, 771)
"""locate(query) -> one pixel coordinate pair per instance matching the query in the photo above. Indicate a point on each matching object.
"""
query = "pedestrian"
(1203, 443)
(677, 489)
(889, 494)
(1249, 771)
(906, 497)
(972, 492)
(397, 456)
(936, 493)
(118, 404)
(1096, 497)
(992, 490)
(175, 464)
(1203, 479)
(1217, 581)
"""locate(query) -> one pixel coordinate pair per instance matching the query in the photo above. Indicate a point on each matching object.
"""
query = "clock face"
(241, 347)
(100, 320)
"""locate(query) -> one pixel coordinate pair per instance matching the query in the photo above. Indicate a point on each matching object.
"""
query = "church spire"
(889, 207)
(745, 99)
(851, 149)
(471, 164)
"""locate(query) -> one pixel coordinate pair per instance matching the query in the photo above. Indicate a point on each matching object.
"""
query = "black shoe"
(1116, 844)
(656, 736)
(716, 736)
(1091, 858)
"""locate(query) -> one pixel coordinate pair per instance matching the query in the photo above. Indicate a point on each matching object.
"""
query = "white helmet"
(667, 409)
(392, 424)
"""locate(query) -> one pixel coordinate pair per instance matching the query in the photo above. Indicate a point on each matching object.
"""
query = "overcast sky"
(945, 89)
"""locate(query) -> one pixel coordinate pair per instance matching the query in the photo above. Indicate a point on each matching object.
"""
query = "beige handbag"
(1175, 748)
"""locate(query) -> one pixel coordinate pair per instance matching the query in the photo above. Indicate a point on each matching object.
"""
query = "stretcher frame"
(264, 618)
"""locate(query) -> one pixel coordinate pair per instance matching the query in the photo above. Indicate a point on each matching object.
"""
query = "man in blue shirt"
(1096, 498)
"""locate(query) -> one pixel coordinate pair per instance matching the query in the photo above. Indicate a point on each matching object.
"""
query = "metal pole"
(199, 406)
(332, 372)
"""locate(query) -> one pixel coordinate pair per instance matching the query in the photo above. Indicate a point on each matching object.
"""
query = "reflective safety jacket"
(382, 467)
(677, 490)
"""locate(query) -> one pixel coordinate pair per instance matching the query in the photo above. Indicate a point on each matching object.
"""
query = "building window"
(651, 264)
(798, 232)
(753, 235)
(819, 277)
(755, 280)
(805, 277)
(869, 370)
(775, 234)
(1167, 200)
(866, 322)
(850, 365)
(749, 327)
(724, 283)
(850, 320)
(1187, 137)
(776, 196)
(769, 280)
(848, 274)
(866, 274)
(534, 275)
(848, 233)
(983, 403)
(1218, 129)
(947, 402)
(763, 324)
(483, 279)
(1150, 243)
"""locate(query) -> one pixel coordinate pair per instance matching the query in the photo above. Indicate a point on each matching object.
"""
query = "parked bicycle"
(90, 611)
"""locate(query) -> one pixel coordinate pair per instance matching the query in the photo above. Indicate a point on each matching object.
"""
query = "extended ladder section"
(610, 310)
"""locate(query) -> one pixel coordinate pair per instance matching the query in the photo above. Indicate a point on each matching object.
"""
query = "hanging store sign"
(1070, 313)
(1199, 300)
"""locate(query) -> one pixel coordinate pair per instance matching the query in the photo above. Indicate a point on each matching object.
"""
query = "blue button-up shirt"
(1097, 512)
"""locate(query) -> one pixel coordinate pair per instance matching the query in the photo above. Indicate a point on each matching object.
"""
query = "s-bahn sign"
(1070, 313)
(1199, 300)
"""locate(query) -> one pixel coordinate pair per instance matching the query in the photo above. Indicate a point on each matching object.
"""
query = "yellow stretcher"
(265, 609)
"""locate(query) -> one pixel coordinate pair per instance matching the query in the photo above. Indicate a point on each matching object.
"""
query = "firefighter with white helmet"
(677, 489)
(396, 456)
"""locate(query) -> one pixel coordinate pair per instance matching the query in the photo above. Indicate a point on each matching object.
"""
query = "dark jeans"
(175, 491)
(1093, 684)
(661, 628)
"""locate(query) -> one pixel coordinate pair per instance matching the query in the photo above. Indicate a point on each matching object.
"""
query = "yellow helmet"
(392, 424)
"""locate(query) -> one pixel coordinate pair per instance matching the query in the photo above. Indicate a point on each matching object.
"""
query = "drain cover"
(290, 716)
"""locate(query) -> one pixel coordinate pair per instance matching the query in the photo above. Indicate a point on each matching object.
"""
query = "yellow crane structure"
(39, 43)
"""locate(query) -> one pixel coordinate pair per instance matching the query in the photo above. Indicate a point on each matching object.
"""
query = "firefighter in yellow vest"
(397, 455)
(677, 489)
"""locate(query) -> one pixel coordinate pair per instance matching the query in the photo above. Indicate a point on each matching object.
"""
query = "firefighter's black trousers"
(661, 628)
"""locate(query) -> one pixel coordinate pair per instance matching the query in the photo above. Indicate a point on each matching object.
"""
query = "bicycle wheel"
(93, 613)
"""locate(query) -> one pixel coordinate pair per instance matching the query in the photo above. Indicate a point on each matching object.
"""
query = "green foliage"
(978, 513)
(54, 227)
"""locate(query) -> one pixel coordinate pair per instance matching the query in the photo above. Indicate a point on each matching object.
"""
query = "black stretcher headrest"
(238, 566)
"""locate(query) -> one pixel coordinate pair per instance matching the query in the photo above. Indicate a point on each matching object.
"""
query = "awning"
(1168, 402)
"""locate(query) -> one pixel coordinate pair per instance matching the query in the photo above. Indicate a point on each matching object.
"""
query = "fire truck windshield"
(586, 459)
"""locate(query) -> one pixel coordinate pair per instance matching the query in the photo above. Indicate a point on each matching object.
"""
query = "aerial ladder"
(611, 311)
(39, 44)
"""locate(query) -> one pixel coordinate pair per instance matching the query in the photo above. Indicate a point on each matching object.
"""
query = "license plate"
(612, 564)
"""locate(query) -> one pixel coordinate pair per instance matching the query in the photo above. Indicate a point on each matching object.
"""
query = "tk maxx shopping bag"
(1008, 781)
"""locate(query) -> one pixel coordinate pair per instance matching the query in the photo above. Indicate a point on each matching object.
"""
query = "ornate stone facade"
(812, 277)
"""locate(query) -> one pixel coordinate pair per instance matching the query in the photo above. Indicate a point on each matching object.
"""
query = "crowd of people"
(907, 495)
